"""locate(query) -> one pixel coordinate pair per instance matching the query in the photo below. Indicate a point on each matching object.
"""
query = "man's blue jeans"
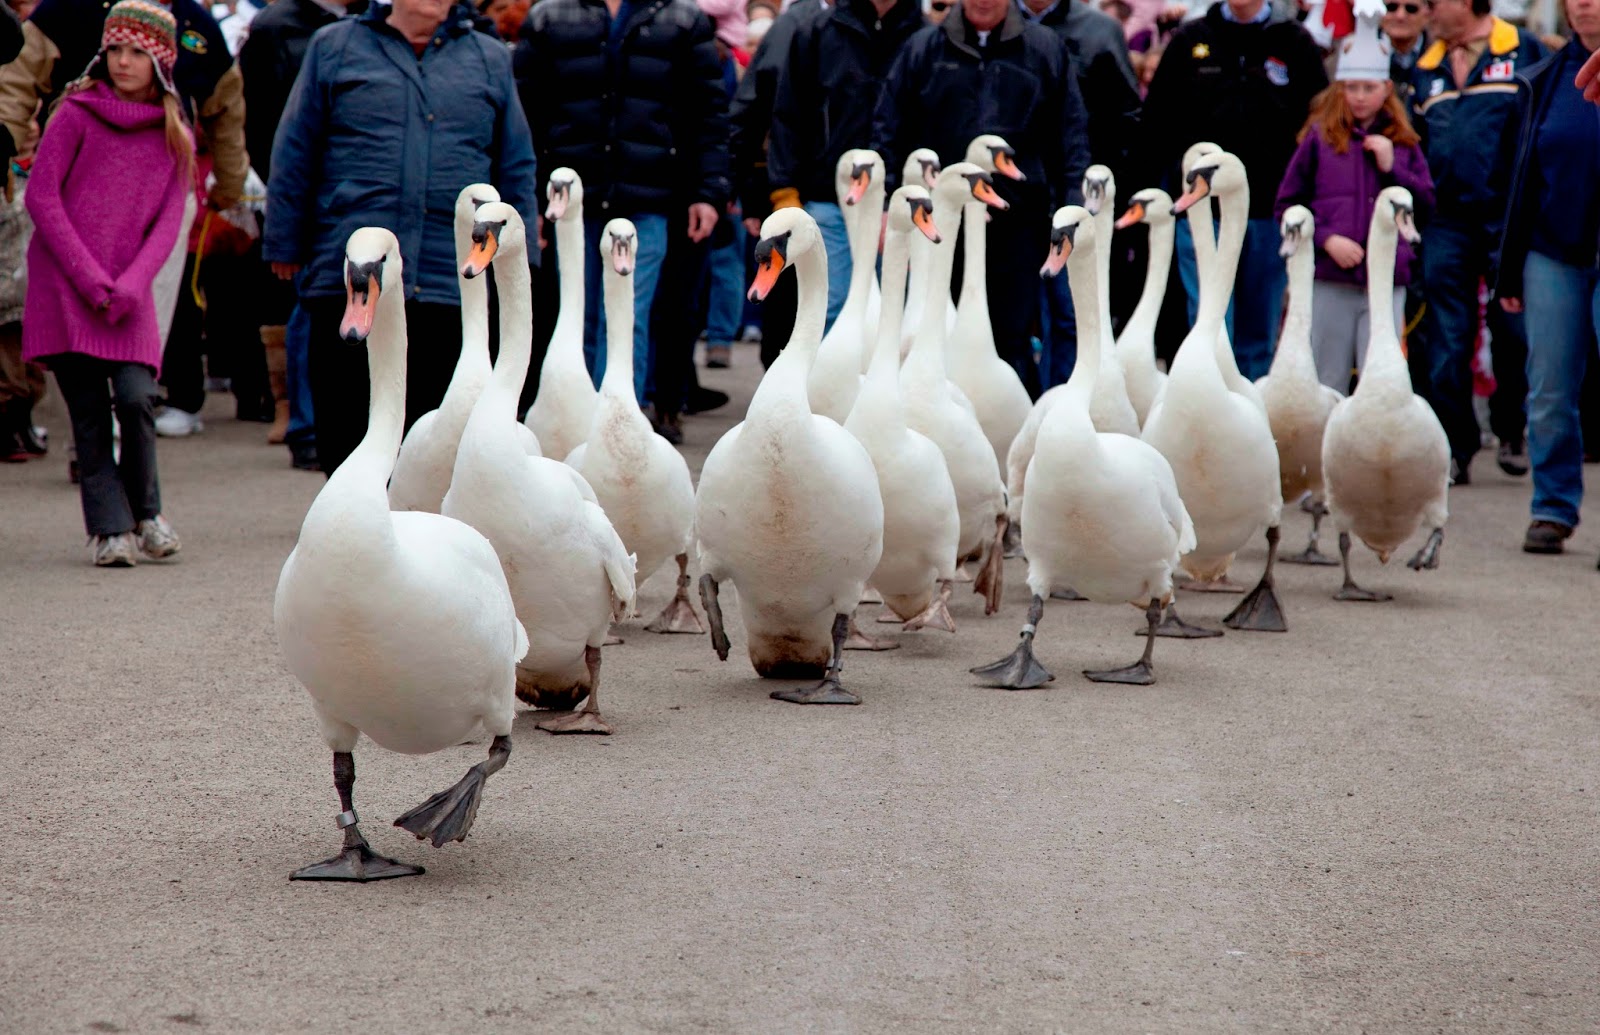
(297, 351)
(725, 294)
(830, 222)
(1256, 308)
(651, 249)
(1562, 304)
(1060, 326)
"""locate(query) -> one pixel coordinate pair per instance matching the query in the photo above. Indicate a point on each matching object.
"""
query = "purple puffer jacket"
(1341, 190)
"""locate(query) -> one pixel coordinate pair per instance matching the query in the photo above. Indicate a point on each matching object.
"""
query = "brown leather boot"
(273, 340)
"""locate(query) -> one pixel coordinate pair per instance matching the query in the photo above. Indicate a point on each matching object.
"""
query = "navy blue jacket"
(1551, 208)
(1465, 131)
(372, 135)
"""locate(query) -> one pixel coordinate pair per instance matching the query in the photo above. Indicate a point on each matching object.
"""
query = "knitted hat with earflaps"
(148, 26)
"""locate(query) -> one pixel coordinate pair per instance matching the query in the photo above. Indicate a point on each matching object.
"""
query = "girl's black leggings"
(116, 496)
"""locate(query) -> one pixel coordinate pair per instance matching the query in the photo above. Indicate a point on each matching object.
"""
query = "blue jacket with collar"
(374, 135)
(1464, 130)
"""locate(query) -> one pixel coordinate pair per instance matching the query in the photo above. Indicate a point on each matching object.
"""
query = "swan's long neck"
(1383, 345)
(886, 351)
(1083, 276)
(569, 267)
(618, 292)
(1294, 351)
(1148, 312)
(927, 353)
(372, 461)
(782, 391)
(516, 330)
(863, 219)
(974, 260)
(1217, 290)
(472, 369)
(1105, 224)
(1203, 232)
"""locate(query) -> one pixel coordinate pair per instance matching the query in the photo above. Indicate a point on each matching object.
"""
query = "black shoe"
(1460, 473)
(704, 400)
(303, 456)
(1512, 459)
(1546, 537)
(671, 429)
(12, 450)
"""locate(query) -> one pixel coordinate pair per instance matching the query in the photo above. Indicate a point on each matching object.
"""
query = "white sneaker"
(175, 423)
(115, 551)
(157, 539)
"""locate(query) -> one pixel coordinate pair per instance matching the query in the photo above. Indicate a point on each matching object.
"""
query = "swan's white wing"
(530, 441)
(409, 483)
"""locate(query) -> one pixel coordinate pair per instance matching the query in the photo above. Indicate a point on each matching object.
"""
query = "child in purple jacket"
(106, 196)
(1357, 141)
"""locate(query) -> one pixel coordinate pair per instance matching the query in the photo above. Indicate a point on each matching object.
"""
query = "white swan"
(1103, 513)
(1219, 443)
(1385, 457)
(564, 408)
(932, 409)
(1298, 404)
(835, 378)
(990, 383)
(922, 166)
(400, 626)
(569, 573)
(921, 526)
(788, 506)
(642, 483)
(427, 456)
(1136, 347)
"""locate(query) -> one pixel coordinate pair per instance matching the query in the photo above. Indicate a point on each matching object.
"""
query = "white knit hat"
(1364, 54)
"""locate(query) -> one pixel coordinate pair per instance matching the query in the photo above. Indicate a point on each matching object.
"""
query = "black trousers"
(227, 333)
(777, 317)
(1015, 248)
(116, 496)
(341, 387)
(676, 315)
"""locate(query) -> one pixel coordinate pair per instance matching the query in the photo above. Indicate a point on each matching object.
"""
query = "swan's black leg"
(829, 691)
(1019, 670)
(1351, 591)
(1260, 611)
(448, 815)
(1140, 673)
(357, 861)
(1428, 556)
(713, 606)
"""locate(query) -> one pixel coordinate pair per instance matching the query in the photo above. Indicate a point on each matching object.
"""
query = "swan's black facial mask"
(930, 173)
(860, 178)
(772, 255)
(922, 218)
(363, 284)
(1005, 162)
(1061, 242)
(1199, 181)
(622, 253)
(485, 243)
(560, 198)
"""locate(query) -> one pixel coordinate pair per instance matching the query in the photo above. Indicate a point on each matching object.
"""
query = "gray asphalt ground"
(1381, 821)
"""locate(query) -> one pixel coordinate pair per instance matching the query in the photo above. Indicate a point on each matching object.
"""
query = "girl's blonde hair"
(1332, 118)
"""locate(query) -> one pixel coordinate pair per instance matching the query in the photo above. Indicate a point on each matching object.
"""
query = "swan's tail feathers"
(522, 639)
(620, 569)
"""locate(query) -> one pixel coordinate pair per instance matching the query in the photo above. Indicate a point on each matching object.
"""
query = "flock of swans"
(440, 578)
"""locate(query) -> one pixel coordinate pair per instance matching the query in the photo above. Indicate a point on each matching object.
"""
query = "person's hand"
(30, 142)
(752, 226)
(1382, 149)
(120, 304)
(1173, 14)
(702, 220)
(1347, 253)
(286, 270)
(1589, 79)
(1513, 305)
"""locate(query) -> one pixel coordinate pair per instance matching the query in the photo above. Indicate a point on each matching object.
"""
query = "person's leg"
(778, 312)
(647, 263)
(1015, 241)
(182, 370)
(234, 305)
(672, 322)
(340, 387)
(1559, 302)
(1508, 413)
(594, 310)
(301, 438)
(1188, 271)
(82, 380)
(836, 239)
(1059, 331)
(1449, 332)
(725, 299)
(133, 391)
(1336, 313)
(1258, 299)
(431, 364)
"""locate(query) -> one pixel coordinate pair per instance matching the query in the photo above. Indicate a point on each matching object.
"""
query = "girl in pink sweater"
(106, 196)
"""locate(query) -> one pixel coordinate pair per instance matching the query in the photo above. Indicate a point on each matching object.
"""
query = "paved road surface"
(1382, 821)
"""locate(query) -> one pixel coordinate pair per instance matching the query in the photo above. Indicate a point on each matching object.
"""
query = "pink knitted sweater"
(106, 196)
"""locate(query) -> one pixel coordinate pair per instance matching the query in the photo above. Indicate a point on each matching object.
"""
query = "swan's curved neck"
(785, 380)
(1083, 273)
(862, 230)
(974, 256)
(1294, 350)
(927, 352)
(1217, 290)
(569, 268)
(473, 366)
(886, 351)
(1383, 344)
(1105, 224)
(516, 330)
(1148, 312)
(373, 460)
(618, 291)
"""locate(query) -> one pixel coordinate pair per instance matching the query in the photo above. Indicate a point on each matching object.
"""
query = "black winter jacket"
(945, 90)
(647, 130)
(828, 88)
(1245, 87)
(1110, 90)
(751, 110)
(269, 61)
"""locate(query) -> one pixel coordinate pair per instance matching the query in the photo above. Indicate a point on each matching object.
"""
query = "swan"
(1298, 404)
(922, 166)
(921, 526)
(1136, 347)
(563, 410)
(568, 570)
(1104, 512)
(641, 482)
(931, 408)
(428, 453)
(998, 398)
(399, 625)
(788, 506)
(1219, 443)
(835, 378)
(1385, 457)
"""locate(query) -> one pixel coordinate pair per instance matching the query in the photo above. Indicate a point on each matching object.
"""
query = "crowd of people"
(189, 178)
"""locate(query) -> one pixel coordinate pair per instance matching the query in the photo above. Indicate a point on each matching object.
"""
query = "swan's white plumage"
(564, 408)
(835, 377)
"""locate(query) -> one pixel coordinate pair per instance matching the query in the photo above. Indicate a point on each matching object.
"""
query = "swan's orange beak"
(930, 174)
(770, 261)
(1199, 190)
(1134, 215)
(922, 219)
(1060, 248)
(1006, 165)
(983, 190)
(361, 302)
(485, 242)
(560, 194)
(622, 255)
(860, 178)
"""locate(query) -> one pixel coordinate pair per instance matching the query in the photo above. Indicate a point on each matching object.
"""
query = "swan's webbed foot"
(1013, 540)
(1140, 673)
(1428, 556)
(586, 719)
(1174, 627)
(937, 614)
(1067, 593)
(858, 640)
(1260, 610)
(356, 861)
(992, 574)
(1311, 554)
(1351, 591)
(678, 616)
(709, 601)
(1019, 670)
(448, 815)
(830, 690)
